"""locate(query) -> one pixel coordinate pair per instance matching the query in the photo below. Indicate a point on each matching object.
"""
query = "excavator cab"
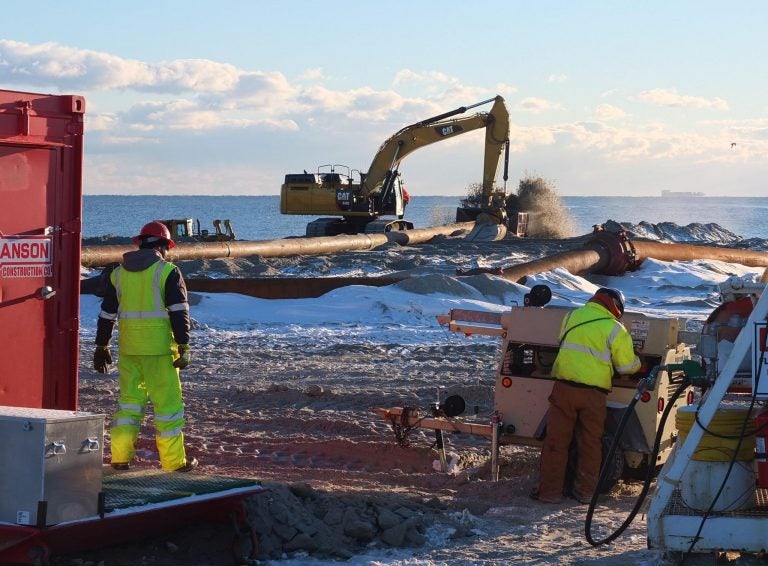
(335, 190)
(189, 229)
(180, 228)
(391, 199)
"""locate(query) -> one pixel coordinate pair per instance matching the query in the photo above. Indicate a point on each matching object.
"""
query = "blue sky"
(605, 98)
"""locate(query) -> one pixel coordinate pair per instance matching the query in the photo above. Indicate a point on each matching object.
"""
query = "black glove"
(184, 357)
(102, 359)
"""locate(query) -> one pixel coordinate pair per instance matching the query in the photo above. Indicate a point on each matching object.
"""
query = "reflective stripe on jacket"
(593, 343)
(143, 325)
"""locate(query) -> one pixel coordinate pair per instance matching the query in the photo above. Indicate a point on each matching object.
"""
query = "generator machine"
(529, 335)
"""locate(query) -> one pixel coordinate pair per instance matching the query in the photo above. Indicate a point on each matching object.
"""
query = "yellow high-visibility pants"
(154, 379)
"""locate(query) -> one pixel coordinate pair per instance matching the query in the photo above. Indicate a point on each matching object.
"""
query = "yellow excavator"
(357, 206)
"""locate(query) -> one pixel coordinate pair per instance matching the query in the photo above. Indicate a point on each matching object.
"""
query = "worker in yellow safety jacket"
(593, 345)
(147, 297)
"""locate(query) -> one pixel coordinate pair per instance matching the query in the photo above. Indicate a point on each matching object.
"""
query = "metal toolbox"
(50, 465)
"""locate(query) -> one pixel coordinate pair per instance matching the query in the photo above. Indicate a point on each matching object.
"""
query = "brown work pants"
(573, 412)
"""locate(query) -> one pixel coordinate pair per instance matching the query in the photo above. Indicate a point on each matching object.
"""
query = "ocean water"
(259, 218)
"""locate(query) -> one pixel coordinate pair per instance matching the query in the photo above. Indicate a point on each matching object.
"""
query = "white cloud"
(522, 138)
(609, 112)
(671, 98)
(408, 76)
(312, 75)
(270, 92)
(653, 142)
(207, 94)
(68, 68)
(101, 122)
(561, 78)
(537, 105)
(183, 114)
(505, 90)
(209, 126)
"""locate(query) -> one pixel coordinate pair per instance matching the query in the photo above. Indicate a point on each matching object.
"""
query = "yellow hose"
(727, 421)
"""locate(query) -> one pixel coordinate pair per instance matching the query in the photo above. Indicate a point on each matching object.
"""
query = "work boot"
(583, 500)
(537, 497)
(190, 465)
(120, 465)
(586, 500)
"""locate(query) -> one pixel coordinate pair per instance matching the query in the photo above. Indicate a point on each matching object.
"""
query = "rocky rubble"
(296, 518)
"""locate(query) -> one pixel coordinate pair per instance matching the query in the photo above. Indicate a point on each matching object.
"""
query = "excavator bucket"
(486, 232)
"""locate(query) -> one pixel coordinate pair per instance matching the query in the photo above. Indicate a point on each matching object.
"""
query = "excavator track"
(335, 226)
(380, 226)
(325, 227)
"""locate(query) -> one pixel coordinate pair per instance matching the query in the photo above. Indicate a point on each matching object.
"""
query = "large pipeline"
(613, 254)
(605, 252)
(101, 256)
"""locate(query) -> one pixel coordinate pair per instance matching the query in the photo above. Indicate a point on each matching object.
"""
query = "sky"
(605, 98)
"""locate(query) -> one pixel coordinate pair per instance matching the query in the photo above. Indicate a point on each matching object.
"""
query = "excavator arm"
(438, 128)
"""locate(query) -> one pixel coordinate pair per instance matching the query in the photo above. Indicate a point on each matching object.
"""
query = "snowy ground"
(282, 390)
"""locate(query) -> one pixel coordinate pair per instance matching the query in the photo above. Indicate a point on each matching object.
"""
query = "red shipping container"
(41, 152)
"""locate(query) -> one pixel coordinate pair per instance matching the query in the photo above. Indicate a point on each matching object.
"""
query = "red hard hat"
(155, 229)
(611, 298)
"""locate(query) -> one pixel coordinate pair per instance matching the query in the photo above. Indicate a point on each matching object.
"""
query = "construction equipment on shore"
(712, 494)
(56, 495)
(188, 229)
(357, 200)
(529, 336)
(604, 252)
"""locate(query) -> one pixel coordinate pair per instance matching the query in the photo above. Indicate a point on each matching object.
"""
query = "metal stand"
(439, 443)
(672, 526)
(495, 430)
(441, 450)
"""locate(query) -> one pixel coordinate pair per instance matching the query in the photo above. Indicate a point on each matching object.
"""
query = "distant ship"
(678, 194)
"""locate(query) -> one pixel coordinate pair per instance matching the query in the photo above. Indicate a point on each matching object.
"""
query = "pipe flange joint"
(621, 251)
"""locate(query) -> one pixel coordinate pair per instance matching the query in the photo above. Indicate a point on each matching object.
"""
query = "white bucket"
(702, 480)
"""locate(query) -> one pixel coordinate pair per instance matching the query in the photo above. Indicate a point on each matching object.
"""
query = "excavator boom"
(379, 191)
(439, 128)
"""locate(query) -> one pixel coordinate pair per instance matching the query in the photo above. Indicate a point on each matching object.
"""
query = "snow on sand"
(281, 391)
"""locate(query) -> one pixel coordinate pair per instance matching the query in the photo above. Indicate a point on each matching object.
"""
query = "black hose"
(649, 473)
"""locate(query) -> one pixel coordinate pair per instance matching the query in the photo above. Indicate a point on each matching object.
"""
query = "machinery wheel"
(639, 473)
(615, 466)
